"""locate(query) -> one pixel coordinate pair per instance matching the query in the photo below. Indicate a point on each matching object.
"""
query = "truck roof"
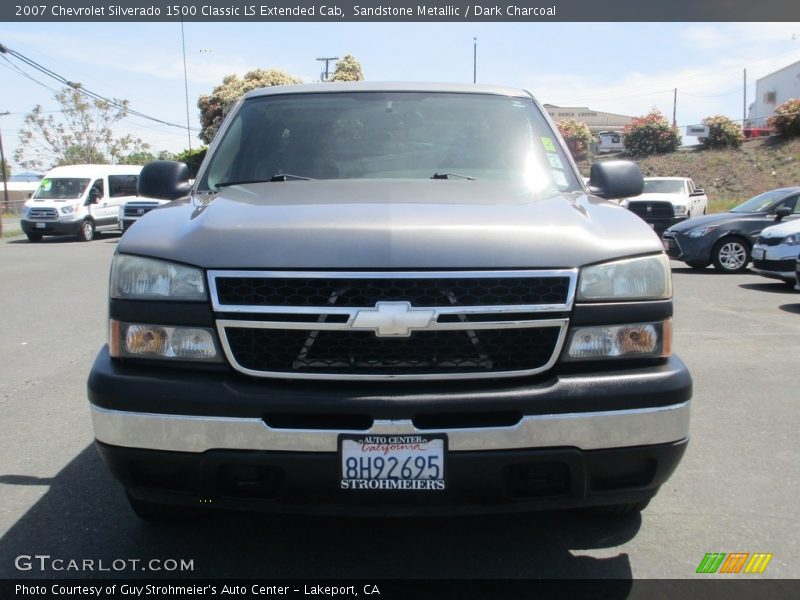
(371, 86)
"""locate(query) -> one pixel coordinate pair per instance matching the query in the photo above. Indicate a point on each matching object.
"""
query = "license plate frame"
(41, 225)
(758, 253)
(405, 448)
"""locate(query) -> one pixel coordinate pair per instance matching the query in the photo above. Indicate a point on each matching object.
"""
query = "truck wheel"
(86, 233)
(731, 255)
(697, 264)
(156, 512)
(617, 510)
(34, 237)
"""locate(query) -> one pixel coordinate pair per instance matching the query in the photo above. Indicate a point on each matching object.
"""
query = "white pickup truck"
(668, 200)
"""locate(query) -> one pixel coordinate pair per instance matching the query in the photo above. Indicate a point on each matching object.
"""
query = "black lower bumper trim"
(477, 482)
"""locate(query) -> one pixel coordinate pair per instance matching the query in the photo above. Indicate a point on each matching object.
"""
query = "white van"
(79, 200)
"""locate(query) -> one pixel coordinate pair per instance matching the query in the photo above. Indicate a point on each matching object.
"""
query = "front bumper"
(778, 262)
(51, 227)
(223, 440)
(682, 247)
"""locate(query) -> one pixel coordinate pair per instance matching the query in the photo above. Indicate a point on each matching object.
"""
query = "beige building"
(596, 120)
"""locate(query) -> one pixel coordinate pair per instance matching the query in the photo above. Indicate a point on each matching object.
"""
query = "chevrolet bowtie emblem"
(393, 319)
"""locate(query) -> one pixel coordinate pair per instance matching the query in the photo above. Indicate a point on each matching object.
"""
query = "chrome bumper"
(587, 431)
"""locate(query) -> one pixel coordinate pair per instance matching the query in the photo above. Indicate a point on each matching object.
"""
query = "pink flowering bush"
(577, 136)
(786, 121)
(651, 134)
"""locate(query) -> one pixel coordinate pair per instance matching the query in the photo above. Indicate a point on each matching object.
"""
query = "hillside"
(728, 176)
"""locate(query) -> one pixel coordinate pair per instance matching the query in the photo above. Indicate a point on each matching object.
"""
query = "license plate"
(758, 253)
(666, 244)
(392, 462)
(652, 225)
(41, 225)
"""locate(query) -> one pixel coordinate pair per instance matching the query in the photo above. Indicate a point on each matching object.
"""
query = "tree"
(722, 133)
(348, 69)
(786, 121)
(215, 106)
(651, 134)
(577, 136)
(79, 132)
(142, 157)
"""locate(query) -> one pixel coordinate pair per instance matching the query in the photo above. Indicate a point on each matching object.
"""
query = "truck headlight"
(637, 340)
(681, 210)
(644, 278)
(140, 340)
(138, 278)
(69, 209)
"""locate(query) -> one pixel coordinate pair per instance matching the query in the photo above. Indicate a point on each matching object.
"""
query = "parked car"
(610, 141)
(776, 250)
(666, 201)
(79, 200)
(726, 239)
(797, 274)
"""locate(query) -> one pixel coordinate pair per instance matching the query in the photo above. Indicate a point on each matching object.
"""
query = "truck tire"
(34, 237)
(731, 255)
(86, 232)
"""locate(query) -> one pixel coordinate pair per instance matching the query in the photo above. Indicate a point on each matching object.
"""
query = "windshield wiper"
(275, 178)
(453, 175)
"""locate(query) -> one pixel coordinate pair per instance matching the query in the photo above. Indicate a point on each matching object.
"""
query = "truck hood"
(671, 198)
(390, 224)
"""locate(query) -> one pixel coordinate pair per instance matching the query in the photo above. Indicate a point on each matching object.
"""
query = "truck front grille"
(423, 352)
(390, 325)
(648, 210)
(43, 214)
(134, 211)
(456, 291)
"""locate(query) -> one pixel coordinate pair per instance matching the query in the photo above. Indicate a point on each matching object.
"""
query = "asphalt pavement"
(735, 491)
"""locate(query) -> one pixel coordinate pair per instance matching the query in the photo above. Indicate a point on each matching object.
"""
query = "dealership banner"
(399, 10)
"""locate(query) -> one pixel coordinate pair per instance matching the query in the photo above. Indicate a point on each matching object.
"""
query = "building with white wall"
(771, 91)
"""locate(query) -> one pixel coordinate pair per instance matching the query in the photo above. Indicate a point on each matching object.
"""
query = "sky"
(625, 68)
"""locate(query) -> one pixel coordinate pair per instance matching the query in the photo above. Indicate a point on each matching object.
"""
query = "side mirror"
(612, 179)
(781, 212)
(164, 179)
(697, 192)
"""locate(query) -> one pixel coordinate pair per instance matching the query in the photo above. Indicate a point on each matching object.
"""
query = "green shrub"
(722, 133)
(651, 134)
(786, 121)
(577, 136)
(193, 159)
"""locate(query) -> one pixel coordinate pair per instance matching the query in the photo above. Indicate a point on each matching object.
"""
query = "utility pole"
(474, 60)
(324, 75)
(186, 88)
(675, 108)
(744, 99)
(5, 180)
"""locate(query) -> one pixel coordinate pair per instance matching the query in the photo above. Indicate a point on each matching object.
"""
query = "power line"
(77, 86)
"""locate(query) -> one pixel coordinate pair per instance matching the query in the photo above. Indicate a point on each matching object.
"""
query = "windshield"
(375, 135)
(61, 188)
(663, 186)
(760, 203)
